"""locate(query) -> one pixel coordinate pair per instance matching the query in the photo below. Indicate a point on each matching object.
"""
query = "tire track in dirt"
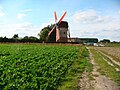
(110, 60)
(99, 81)
(115, 62)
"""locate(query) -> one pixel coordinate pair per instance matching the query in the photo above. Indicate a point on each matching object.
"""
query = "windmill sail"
(62, 18)
(55, 17)
(57, 35)
(51, 31)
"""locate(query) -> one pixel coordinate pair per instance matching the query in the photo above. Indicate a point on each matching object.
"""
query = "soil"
(113, 51)
(98, 81)
(113, 61)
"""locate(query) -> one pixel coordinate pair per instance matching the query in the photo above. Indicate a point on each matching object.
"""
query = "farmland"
(36, 67)
(111, 51)
(58, 67)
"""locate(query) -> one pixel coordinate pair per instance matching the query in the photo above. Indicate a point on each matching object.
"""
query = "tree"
(1, 39)
(105, 41)
(15, 36)
(31, 39)
(44, 33)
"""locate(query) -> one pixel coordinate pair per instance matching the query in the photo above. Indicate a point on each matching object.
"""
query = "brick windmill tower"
(60, 31)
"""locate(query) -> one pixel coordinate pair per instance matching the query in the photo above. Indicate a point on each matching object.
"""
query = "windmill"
(60, 31)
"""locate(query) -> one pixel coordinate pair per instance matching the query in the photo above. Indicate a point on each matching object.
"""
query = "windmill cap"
(63, 24)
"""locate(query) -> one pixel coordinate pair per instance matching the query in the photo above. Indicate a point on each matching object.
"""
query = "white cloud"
(21, 15)
(1, 7)
(88, 16)
(119, 11)
(22, 29)
(1, 12)
(46, 24)
(91, 23)
(26, 10)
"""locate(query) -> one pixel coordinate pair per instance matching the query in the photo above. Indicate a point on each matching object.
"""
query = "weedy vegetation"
(74, 73)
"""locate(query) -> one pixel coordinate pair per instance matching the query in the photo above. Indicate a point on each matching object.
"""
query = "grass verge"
(70, 82)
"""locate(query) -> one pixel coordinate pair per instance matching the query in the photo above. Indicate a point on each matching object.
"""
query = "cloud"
(21, 15)
(119, 12)
(89, 16)
(26, 10)
(22, 29)
(1, 12)
(47, 23)
(92, 23)
(1, 7)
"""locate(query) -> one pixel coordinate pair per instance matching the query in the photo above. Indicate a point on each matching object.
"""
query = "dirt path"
(99, 82)
(84, 83)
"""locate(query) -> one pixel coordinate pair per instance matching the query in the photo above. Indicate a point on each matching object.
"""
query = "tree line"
(16, 39)
(43, 37)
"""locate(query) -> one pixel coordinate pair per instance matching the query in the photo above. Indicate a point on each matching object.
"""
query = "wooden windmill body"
(59, 32)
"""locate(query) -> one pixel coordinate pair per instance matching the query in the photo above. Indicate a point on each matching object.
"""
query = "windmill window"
(64, 32)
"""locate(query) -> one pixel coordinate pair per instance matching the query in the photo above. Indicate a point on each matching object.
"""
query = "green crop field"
(34, 66)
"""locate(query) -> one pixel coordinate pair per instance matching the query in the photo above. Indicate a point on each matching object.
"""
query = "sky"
(86, 18)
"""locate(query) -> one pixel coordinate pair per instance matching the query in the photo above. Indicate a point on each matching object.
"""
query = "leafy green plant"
(34, 66)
